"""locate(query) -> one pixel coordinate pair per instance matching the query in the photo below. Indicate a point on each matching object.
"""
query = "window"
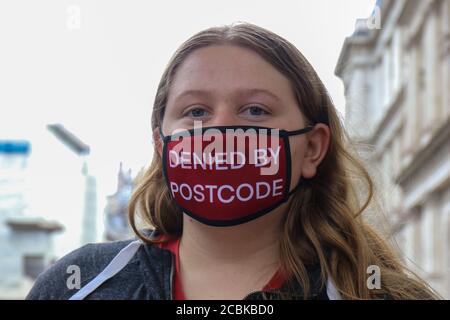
(396, 60)
(387, 76)
(33, 265)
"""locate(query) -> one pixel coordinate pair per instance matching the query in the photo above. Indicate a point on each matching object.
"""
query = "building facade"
(397, 88)
(48, 205)
(116, 210)
(26, 241)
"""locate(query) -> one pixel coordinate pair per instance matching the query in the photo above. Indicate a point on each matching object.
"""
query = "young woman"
(220, 228)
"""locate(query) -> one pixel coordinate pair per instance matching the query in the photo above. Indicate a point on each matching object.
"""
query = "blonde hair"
(324, 223)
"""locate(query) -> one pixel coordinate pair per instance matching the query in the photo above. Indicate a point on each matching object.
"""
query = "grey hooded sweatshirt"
(147, 275)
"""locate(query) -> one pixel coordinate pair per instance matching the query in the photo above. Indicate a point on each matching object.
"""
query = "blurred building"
(397, 87)
(41, 192)
(26, 241)
(116, 214)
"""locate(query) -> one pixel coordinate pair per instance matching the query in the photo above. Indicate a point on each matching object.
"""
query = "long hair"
(324, 224)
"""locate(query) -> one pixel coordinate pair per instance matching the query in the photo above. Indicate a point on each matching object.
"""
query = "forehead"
(226, 68)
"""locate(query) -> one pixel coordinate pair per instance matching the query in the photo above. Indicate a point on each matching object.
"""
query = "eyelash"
(264, 112)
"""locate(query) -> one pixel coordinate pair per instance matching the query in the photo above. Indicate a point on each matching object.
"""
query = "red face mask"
(229, 175)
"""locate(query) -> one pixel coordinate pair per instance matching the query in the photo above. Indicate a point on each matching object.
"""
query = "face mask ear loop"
(302, 182)
(161, 133)
(300, 131)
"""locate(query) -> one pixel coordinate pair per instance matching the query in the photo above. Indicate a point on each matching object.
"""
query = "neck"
(255, 241)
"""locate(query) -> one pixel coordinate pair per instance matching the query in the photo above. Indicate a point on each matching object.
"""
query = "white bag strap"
(332, 292)
(116, 264)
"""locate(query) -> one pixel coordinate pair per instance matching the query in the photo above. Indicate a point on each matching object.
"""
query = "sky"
(94, 65)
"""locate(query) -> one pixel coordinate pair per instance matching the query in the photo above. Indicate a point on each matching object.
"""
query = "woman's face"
(229, 85)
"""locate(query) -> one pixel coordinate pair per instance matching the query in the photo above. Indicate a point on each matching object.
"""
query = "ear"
(318, 141)
(157, 140)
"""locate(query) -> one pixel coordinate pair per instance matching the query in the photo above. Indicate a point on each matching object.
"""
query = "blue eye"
(256, 111)
(196, 112)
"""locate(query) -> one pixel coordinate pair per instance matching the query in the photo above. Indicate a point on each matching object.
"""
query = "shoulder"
(65, 277)
(59, 281)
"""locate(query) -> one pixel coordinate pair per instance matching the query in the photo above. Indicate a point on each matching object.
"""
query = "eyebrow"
(242, 93)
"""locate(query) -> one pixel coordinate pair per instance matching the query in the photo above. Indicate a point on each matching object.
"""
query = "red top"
(275, 282)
